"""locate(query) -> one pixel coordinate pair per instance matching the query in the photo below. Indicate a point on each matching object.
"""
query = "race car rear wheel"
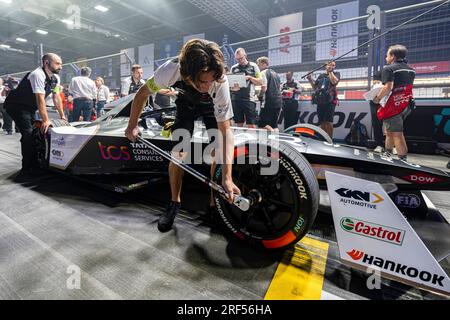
(289, 198)
(309, 130)
(42, 141)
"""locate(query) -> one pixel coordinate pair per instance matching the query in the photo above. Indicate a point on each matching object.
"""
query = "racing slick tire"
(289, 198)
(42, 141)
(309, 130)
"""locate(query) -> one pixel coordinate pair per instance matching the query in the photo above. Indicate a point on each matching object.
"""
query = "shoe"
(9, 133)
(379, 149)
(165, 222)
(386, 154)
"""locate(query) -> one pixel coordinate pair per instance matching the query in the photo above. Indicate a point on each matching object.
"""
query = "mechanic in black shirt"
(271, 105)
(29, 96)
(290, 91)
(397, 78)
(198, 76)
(325, 87)
(244, 99)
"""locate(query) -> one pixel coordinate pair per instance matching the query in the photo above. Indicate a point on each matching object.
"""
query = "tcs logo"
(114, 153)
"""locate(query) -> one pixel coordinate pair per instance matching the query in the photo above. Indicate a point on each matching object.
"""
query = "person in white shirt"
(84, 92)
(102, 95)
(29, 96)
(132, 84)
(204, 92)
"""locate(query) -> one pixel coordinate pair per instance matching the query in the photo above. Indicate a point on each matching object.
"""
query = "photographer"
(325, 96)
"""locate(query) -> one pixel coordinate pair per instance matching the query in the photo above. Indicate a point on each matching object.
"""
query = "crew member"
(290, 91)
(84, 92)
(326, 96)
(244, 99)
(29, 96)
(271, 106)
(397, 78)
(203, 92)
(132, 84)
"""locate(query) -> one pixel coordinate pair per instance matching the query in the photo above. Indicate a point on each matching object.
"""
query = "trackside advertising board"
(372, 233)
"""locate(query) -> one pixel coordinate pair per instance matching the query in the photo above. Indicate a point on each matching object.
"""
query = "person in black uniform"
(290, 91)
(271, 105)
(29, 97)
(398, 79)
(203, 91)
(325, 90)
(244, 99)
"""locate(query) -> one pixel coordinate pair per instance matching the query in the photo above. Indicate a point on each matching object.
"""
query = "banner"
(338, 39)
(193, 36)
(125, 64)
(168, 49)
(146, 59)
(286, 49)
(431, 67)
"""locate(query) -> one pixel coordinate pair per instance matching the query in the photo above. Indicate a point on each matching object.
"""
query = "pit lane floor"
(54, 228)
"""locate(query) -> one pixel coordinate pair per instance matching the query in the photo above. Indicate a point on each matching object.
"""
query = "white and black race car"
(288, 198)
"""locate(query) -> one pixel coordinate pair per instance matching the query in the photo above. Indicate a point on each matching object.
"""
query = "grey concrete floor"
(54, 228)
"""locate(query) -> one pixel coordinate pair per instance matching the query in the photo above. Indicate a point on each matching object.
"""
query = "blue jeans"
(99, 108)
(7, 120)
(82, 107)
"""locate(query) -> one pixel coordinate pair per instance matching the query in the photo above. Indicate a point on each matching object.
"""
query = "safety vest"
(23, 95)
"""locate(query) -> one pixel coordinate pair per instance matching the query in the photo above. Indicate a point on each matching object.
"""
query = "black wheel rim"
(271, 217)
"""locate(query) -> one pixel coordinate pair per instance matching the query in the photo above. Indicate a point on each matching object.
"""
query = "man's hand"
(45, 125)
(231, 189)
(132, 133)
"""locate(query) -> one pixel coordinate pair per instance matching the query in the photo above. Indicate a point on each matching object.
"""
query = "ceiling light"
(6, 1)
(101, 8)
(5, 46)
(21, 40)
(68, 22)
(117, 35)
(41, 31)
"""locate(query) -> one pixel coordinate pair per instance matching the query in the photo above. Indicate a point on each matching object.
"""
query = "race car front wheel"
(289, 197)
(309, 130)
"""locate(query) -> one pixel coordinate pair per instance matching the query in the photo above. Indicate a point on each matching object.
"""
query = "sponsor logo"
(142, 152)
(401, 270)
(60, 142)
(359, 198)
(406, 200)
(421, 178)
(299, 225)
(57, 154)
(373, 230)
(114, 153)
(298, 181)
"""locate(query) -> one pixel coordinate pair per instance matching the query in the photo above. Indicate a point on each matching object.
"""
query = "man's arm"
(333, 78)
(42, 108)
(58, 105)
(138, 104)
(255, 80)
(311, 81)
(385, 90)
(226, 144)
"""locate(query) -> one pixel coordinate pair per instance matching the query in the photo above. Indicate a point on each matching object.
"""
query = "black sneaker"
(165, 222)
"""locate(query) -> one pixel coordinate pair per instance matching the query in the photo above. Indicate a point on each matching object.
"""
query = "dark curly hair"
(198, 56)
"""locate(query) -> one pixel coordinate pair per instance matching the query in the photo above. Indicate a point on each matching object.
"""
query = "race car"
(287, 198)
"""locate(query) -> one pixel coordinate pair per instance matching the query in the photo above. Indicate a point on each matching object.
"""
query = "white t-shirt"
(169, 73)
(83, 87)
(2, 97)
(37, 81)
(102, 93)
